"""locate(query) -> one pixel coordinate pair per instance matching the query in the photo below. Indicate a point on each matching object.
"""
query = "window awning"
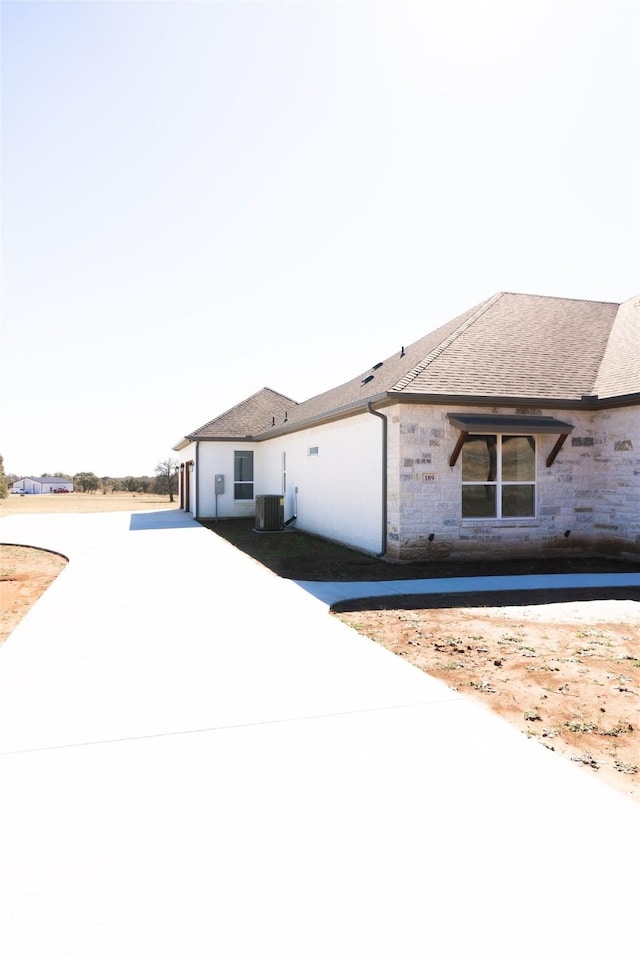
(504, 423)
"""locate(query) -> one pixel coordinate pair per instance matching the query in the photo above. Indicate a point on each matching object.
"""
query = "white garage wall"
(339, 489)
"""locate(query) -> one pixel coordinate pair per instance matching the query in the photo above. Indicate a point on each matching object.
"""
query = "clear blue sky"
(201, 199)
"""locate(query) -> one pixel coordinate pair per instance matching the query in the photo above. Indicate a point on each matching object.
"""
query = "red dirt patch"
(25, 574)
(566, 674)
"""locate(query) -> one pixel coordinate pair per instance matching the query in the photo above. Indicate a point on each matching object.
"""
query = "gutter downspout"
(197, 478)
(376, 413)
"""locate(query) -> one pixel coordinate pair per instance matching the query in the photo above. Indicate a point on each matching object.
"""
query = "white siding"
(339, 490)
(211, 458)
(217, 457)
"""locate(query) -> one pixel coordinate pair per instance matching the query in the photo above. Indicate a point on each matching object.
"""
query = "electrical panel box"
(219, 482)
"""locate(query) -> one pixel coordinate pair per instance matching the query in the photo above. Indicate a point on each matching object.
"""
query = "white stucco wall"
(591, 490)
(339, 489)
(211, 458)
(336, 493)
(217, 458)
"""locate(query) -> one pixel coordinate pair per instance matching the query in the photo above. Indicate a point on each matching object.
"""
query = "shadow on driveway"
(160, 520)
(507, 598)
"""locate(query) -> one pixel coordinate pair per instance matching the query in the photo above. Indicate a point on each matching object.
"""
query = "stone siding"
(588, 501)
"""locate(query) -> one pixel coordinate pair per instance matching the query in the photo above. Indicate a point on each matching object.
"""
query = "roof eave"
(582, 403)
(229, 436)
(181, 444)
(390, 397)
(347, 410)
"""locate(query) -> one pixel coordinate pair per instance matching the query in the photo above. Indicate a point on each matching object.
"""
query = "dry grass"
(14, 504)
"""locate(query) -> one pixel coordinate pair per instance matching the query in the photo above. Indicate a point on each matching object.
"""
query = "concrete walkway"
(196, 761)
(331, 592)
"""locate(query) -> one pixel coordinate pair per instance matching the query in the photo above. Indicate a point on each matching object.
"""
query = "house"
(42, 485)
(512, 430)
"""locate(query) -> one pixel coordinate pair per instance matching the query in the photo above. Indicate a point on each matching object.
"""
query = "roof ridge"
(442, 346)
(242, 403)
(550, 296)
(271, 390)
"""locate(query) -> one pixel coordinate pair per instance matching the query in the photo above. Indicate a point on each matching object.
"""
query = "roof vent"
(286, 416)
(402, 351)
(376, 366)
(367, 379)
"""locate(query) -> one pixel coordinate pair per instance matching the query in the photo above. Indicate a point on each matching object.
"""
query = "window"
(243, 475)
(498, 476)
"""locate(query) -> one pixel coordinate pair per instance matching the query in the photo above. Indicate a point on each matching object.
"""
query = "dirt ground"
(25, 574)
(567, 674)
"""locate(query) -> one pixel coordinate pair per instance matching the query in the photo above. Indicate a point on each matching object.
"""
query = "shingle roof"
(385, 377)
(511, 345)
(619, 372)
(248, 418)
(523, 346)
(514, 345)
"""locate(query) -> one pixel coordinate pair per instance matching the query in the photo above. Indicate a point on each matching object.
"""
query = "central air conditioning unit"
(269, 512)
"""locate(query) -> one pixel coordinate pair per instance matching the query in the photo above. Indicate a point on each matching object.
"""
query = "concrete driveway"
(197, 761)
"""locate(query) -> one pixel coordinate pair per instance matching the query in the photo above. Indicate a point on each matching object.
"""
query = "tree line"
(164, 482)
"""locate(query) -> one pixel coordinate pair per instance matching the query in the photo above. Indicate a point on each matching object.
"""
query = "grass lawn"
(298, 556)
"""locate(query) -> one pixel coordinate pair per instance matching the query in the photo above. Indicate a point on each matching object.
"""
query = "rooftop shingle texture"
(620, 368)
(511, 345)
(254, 415)
(522, 346)
(386, 377)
